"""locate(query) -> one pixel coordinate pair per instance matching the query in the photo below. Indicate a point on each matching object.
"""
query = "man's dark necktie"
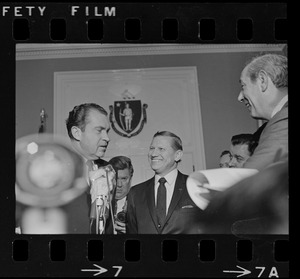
(161, 201)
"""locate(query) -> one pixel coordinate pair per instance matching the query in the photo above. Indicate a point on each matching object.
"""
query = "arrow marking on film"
(99, 270)
(243, 271)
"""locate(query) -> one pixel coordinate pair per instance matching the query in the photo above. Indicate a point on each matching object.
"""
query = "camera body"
(121, 217)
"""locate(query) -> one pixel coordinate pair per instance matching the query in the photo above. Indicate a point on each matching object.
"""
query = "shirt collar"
(279, 105)
(170, 177)
(90, 164)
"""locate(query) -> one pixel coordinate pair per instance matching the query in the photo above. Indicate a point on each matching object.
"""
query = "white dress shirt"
(90, 166)
(170, 185)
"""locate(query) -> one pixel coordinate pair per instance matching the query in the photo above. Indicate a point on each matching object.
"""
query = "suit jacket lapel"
(283, 113)
(151, 201)
(178, 191)
(280, 114)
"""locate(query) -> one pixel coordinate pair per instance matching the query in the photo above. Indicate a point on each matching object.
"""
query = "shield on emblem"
(128, 114)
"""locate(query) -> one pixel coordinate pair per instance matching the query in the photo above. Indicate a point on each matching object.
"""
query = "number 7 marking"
(119, 269)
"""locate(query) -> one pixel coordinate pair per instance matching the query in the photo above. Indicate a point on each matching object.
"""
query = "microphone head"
(48, 172)
(109, 168)
(103, 181)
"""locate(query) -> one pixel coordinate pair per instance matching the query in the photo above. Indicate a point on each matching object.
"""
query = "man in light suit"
(178, 214)
(264, 91)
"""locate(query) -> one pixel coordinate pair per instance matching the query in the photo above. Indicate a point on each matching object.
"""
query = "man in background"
(225, 158)
(124, 172)
(241, 148)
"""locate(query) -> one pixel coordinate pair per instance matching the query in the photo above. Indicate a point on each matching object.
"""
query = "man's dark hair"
(121, 163)
(78, 116)
(245, 139)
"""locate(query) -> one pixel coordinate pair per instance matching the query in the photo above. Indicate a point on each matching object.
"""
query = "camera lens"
(121, 216)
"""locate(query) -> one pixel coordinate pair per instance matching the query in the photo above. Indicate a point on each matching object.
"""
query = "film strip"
(53, 39)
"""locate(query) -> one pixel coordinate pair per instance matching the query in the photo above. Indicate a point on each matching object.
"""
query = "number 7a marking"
(119, 269)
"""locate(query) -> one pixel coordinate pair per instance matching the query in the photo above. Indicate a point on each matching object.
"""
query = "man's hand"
(120, 227)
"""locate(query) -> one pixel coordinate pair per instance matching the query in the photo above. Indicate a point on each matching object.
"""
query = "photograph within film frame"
(177, 67)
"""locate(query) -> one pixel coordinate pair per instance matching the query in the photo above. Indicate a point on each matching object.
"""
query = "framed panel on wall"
(169, 98)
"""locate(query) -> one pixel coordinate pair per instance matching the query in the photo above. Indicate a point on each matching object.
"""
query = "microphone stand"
(110, 202)
(100, 214)
(101, 206)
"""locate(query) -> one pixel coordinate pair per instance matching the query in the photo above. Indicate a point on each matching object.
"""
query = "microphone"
(49, 175)
(102, 185)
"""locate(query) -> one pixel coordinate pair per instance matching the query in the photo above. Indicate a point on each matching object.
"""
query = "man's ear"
(263, 79)
(178, 155)
(76, 132)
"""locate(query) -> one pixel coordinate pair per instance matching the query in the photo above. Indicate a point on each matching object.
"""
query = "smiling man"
(264, 83)
(264, 91)
(88, 128)
(161, 205)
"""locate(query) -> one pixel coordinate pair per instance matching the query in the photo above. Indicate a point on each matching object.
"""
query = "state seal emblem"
(127, 117)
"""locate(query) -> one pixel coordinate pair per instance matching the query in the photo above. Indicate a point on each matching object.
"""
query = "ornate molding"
(53, 51)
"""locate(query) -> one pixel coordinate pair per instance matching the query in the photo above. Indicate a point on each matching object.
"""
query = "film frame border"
(188, 264)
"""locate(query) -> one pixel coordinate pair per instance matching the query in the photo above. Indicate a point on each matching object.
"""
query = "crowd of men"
(163, 204)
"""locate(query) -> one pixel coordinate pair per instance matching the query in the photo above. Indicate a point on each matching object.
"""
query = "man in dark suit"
(161, 205)
(88, 128)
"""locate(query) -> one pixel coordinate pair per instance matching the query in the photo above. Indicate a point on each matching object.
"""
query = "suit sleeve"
(273, 143)
(131, 225)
